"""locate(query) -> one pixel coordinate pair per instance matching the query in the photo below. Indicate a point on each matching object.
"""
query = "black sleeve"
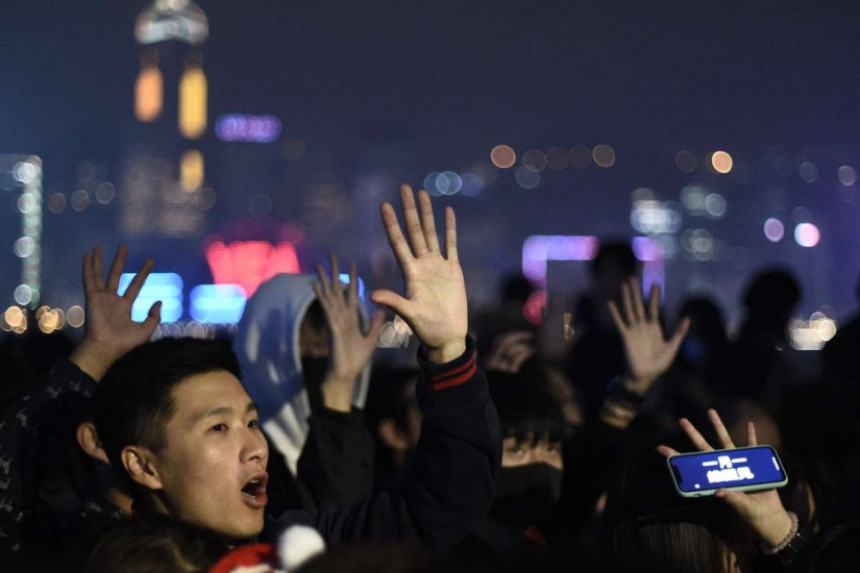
(41, 414)
(451, 482)
(336, 464)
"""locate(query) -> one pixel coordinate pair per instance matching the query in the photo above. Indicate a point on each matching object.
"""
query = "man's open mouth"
(254, 491)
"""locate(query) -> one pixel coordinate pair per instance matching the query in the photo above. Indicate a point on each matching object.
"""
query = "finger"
(323, 298)
(352, 291)
(376, 324)
(451, 235)
(752, 438)
(666, 451)
(116, 268)
(98, 268)
(698, 440)
(720, 428)
(412, 222)
(87, 273)
(325, 285)
(428, 223)
(153, 317)
(627, 301)
(393, 301)
(654, 303)
(337, 286)
(137, 282)
(678, 336)
(616, 317)
(636, 293)
(395, 236)
(335, 270)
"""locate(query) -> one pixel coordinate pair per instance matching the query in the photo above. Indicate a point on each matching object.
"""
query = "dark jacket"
(451, 482)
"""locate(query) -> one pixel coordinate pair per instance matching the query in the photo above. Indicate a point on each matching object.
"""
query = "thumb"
(152, 319)
(679, 335)
(392, 300)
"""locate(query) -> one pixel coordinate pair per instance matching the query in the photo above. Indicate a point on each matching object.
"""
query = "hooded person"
(284, 344)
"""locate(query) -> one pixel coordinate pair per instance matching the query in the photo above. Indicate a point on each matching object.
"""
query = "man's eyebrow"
(252, 407)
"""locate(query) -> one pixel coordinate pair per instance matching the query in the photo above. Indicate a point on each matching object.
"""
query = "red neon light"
(250, 263)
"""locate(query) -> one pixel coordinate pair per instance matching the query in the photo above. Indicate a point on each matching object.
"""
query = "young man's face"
(213, 467)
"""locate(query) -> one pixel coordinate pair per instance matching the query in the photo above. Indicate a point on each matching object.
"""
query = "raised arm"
(762, 510)
(451, 481)
(649, 354)
(109, 331)
(351, 348)
(434, 303)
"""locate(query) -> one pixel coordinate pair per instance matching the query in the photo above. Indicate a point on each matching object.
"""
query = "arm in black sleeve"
(336, 464)
(451, 482)
(43, 412)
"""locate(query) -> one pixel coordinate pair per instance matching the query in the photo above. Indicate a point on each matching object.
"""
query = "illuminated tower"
(164, 169)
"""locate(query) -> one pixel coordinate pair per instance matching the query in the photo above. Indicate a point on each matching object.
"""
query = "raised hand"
(351, 349)
(434, 304)
(648, 353)
(762, 510)
(109, 331)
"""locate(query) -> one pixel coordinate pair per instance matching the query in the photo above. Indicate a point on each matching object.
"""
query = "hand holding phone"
(762, 510)
(753, 468)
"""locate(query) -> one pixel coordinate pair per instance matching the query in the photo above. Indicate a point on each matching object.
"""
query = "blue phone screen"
(727, 468)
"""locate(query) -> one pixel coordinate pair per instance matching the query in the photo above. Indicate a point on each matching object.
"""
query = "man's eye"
(219, 427)
(254, 424)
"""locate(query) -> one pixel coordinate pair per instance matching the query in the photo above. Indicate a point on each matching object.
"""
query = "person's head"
(707, 336)
(176, 422)
(532, 430)
(650, 528)
(517, 288)
(314, 336)
(613, 265)
(770, 299)
(156, 543)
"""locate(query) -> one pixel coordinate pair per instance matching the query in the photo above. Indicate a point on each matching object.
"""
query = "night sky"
(454, 78)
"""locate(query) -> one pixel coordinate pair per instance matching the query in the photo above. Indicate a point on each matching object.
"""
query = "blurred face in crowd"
(516, 453)
(212, 470)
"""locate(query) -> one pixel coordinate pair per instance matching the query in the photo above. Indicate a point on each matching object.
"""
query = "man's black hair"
(133, 402)
(527, 412)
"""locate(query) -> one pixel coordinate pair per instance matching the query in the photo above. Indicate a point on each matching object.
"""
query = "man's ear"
(88, 440)
(139, 463)
(392, 436)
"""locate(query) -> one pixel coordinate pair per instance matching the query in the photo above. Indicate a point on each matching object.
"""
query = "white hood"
(267, 344)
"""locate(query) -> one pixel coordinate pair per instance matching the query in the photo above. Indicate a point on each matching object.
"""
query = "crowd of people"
(291, 447)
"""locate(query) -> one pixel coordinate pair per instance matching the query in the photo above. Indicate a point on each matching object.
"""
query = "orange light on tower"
(192, 102)
(191, 170)
(149, 91)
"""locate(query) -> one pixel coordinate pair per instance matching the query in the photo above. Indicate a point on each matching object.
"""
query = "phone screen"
(704, 471)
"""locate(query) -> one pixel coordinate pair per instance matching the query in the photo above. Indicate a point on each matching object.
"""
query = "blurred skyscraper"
(163, 166)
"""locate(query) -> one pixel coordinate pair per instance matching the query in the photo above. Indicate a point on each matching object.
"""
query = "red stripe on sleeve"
(456, 381)
(454, 371)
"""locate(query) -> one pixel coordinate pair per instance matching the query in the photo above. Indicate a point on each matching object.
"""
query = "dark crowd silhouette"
(293, 445)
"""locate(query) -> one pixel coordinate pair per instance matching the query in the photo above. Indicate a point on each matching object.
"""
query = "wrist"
(777, 531)
(93, 358)
(447, 352)
(337, 393)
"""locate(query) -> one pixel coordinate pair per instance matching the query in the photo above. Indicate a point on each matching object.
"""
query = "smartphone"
(699, 474)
